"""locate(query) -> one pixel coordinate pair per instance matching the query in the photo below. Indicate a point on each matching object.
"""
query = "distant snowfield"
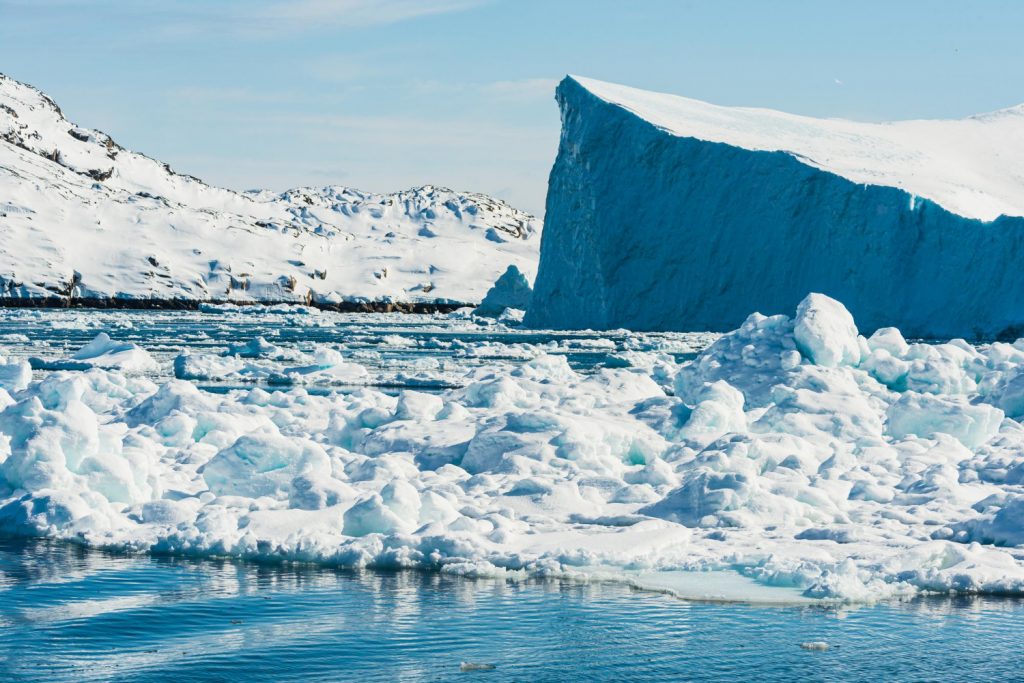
(82, 217)
(815, 462)
(973, 167)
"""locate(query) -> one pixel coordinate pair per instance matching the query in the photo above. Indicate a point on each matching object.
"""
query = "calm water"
(67, 614)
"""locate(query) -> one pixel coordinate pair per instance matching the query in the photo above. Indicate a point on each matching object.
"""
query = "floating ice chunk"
(719, 411)
(328, 366)
(886, 368)
(1005, 526)
(1008, 393)
(324, 365)
(816, 645)
(69, 449)
(15, 374)
(204, 366)
(924, 415)
(889, 339)
(372, 516)
(256, 308)
(173, 396)
(825, 332)
(512, 316)
(103, 352)
(265, 465)
(259, 348)
(511, 290)
(417, 405)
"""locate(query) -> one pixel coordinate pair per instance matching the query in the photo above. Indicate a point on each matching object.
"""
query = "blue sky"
(387, 94)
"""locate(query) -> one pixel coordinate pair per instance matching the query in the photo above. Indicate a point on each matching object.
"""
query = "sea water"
(70, 614)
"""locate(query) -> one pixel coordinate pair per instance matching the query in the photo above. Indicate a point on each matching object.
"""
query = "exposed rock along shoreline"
(115, 303)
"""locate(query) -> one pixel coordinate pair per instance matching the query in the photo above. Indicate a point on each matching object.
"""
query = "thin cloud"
(252, 19)
(522, 89)
(356, 13)
(519, 89)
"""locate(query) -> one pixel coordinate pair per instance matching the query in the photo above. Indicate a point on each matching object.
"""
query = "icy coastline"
(88, 223)
(792, 450)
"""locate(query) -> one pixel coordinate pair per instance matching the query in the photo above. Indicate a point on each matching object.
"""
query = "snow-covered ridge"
(83, 217)
(973, 167)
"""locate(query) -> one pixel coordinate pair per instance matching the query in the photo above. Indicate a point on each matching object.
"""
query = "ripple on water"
(68, 614)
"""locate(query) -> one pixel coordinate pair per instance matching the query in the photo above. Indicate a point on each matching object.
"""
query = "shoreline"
(196, 304)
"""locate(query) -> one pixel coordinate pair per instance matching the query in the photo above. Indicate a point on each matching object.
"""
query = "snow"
(825, 333)
(665, 213)
(15, 374)
(324, 366)
(104, 352)
(973, 167)
(777, 453)
(83, 217)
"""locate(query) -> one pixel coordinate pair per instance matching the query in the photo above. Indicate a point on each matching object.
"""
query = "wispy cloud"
(257, 19)
(522, 89)
(201, 94)
(301, 14)
(269, 19)
(519, 89)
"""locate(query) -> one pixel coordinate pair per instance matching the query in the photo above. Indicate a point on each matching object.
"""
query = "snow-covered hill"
(83, 218)
(669, 213)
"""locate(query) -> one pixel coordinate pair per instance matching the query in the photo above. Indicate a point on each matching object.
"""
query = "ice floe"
(792, 450)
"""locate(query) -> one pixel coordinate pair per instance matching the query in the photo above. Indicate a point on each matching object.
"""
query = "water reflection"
(70, 614)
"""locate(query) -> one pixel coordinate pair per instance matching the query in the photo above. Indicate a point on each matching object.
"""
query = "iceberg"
(511, 290)
(666, 213)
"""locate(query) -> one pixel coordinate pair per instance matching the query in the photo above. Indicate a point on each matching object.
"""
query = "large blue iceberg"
(665, 213)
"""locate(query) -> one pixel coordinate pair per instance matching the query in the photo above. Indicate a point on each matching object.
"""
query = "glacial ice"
(665, 213)
(792, 450)
(511, 290)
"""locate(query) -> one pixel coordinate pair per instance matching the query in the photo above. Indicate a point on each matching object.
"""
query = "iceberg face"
(669, 214)
(83, 218)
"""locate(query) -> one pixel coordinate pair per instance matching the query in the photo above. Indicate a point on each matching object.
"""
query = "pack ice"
(793, 450)
(83, 218)
(666, 213)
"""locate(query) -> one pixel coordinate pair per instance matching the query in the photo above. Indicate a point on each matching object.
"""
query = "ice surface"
(777, 453)
(670, 214)
(972, 167)
(103, 352)
(83, 217)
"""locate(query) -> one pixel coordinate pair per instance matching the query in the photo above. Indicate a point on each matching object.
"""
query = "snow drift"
(84, 219)
(793, 450)
(665, 213)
